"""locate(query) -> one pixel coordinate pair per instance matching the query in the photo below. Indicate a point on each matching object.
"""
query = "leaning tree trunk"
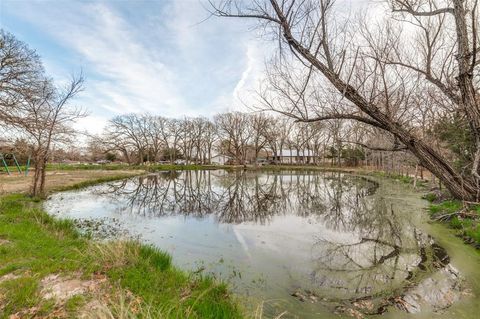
(429, 158)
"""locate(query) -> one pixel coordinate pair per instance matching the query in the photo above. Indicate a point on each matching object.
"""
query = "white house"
(220, 159)
(294, 156)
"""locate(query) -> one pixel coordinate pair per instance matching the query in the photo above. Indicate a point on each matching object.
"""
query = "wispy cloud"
(144, 56)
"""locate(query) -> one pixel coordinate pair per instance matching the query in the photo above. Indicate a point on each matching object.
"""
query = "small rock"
(312, 296)
(364, 304)
(354, 313)
(299, 296)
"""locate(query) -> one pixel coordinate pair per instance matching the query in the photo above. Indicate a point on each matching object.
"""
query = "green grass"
(476, 208)
(115, 167)
(430, 197)
(36, 245)
(20, 293)
(455, 223)
(446, 207)
(473, 232)
(465, 226)
(75, 303)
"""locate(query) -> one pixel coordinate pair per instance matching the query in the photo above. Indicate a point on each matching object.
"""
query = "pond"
(308, 243)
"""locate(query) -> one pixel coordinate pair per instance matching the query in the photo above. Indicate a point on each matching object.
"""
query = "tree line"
(242, 137)
(401, 88)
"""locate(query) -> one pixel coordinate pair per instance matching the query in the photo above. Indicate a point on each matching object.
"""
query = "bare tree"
(32, 105)
(259, 124)
(20, 71)
(371, 85)
(235, 134)
(45, 116)
(129, 131)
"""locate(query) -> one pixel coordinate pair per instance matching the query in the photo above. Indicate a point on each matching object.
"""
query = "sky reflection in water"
(268, 233)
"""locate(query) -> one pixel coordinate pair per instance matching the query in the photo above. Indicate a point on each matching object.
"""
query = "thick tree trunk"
(38, 184)
(429, 158)
(43, 177)
(36, 178)
(465, 81)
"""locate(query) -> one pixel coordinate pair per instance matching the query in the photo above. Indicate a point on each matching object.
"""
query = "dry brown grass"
(17, 183)
(116, 253)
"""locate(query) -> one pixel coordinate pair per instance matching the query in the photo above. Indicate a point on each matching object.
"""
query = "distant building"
(294, 157)
(220, 159)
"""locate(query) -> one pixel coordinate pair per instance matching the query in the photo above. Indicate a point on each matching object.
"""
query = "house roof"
(293, 153)
(221, 155)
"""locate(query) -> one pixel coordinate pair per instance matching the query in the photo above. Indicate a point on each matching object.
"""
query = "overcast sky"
(142, 55)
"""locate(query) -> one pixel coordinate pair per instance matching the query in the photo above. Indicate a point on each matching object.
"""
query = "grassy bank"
(61, 180)
(114, 167)
(90, 182)
(39, 254)
(463, 219)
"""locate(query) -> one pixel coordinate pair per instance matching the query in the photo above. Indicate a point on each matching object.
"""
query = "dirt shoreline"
(17, 183)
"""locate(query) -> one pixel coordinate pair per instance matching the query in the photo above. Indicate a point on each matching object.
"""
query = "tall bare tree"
(373, 79)
(259, 125)
(235, 134)
(33, 106)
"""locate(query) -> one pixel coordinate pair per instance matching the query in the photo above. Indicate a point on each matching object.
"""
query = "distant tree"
(353, 155)
(110, 157)
(453, 132)
(128, 134)
(259, 126)
(22, 149)
(235, 134)
(172, 154)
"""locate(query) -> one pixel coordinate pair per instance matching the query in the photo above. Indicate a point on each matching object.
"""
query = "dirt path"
(16, 183)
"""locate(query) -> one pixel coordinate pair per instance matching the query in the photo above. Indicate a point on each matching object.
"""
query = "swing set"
(5, 156)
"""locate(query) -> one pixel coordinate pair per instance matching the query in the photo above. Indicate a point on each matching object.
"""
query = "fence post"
(5, 164)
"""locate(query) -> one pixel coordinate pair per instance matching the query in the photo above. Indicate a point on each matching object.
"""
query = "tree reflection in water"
(242, 196)
(375, 247)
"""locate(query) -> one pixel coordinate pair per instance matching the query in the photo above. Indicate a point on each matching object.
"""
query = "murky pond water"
(314, 244)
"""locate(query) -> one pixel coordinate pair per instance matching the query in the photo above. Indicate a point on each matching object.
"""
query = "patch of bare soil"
(8, 277)
(4, 242)
(61, 289)
(17, 183)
